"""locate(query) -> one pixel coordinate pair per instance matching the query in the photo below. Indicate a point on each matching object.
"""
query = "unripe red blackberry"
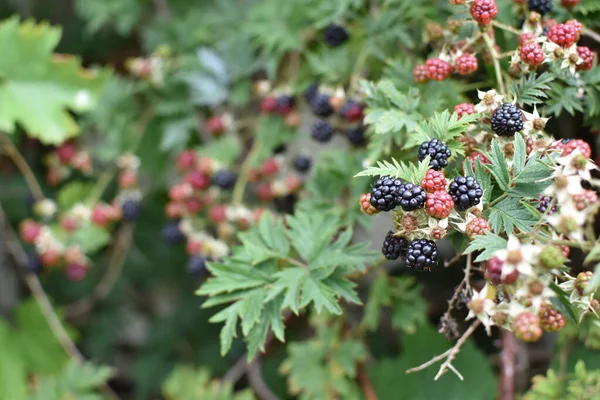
(420, 73)
(577, 25)
(563, 35)
(466, 64)
(484, 11)
(525, 38)
(493, 272)
(526, 327)
(186, 160)
(582, 280)
(439, 204)
(585, 199)
(30, 230)
(464, 109)
(66, 152)
(50, 257)
(352, 111)
(437, 69)
(551, 319)
(215, 125)
(477, 226)
(532, 54)
(569, 3)
(268, 105)
(434, 181)
(366, 206)
(197, 180)
(587, 56)
(469, 143)
(570, 145)
(475, 155)
(76, 272)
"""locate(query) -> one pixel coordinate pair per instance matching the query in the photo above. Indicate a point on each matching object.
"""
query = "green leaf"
(443, 126)
(531, 89)
(313, 290)
(225, 149)
(37, 88)
(490, 243)
(289, 281)
(13, 373)
(499, 166)
(562, 303)
(73, 193)
(407, 172)
(186, 383)
(91, 238)
(510, 213)
(520, 155)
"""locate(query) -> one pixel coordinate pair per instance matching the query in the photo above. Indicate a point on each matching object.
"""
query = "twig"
(242, 181)
(506, 27)
(236, 371)
(469, 42)
(498, 71)
(453, 260)
(21, 164)
(468, 270)
(365, 383)
(507, 368)
(591, 34)
(257, 382)
(449, 355)
(34, 285)
(111, 276)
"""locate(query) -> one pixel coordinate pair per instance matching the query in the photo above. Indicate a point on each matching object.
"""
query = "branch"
(257, 382)
(507, 371)
(34, 285)
(506, 27)
(498, 71)
(110, 277)
(449, 355)
(22, 166)
(365, 383)
(468, 270)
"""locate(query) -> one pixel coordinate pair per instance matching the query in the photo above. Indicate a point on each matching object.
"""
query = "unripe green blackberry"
(551, 257)
(526, 327)
(582, 280)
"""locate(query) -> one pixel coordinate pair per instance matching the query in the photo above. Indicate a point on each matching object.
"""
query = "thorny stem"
(505, 27)
(21, 164)
(496, 62)
(448, 355)
(37, 290)
(240, 185)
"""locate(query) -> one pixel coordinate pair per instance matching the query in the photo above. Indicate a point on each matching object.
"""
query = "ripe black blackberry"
(311, 92)
(322, 131)
(356, 136)
(302, 163)
(438, 151)
(540, 6)
(33, 265)
(422, 255)
(171, 233)
(197, 265)
(131, 209)
(411, 197)
(545, 205)
(465, 191)
(225, 179)
(321, 106)
(507, 120)
(385, 192)
(394, 247)
(334, 35)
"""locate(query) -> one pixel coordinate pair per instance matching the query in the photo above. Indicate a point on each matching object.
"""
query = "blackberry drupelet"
(385, 192)
(225, 179)
(171, 233)
(334, 35)
(131, 209)
(507, 120)
(394, 247)
(302, 163)
(465, 192)
(422, 255)
(197, 265)
(356, 136)
(545, 205)
(411, 197)
(540, 6)
(322, 131)
(320, 105)
(438, 151)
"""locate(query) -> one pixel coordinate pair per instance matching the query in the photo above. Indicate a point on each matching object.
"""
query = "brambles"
(507, 120)
(434, 181)
(532, 54)
(465, 192)
(439, 204)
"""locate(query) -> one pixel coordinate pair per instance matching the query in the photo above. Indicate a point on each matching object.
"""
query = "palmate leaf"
(37, 88)
(398, 169)
(499, 167)
(509, 213)
(490, 243)
(186, 383)
(443, 126)
(281, 268)
(531, 89)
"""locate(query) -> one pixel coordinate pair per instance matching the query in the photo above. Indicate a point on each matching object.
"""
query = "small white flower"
(81, 212)
(518, 257)
(564, 187)
(573, 165)
(46, 241)
(568, 221)
(46, 208)
(490, 100)
(128, 161)
(534, 123)
(482, 308)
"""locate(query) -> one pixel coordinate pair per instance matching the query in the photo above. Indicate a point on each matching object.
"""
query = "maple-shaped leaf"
(37, 87)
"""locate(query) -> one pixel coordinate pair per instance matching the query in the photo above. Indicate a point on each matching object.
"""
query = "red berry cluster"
(484, 11)
(532, 54)
(564, 35)
(65, 159)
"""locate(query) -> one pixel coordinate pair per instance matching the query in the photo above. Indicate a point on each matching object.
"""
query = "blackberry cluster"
(335, 35)
(438, 151)
(322, 131)
(320, 105)
(422, 255)
(302, 163)
(411, 197)
(131, 209)
(394, 247)
(507, 120)
(171, 233)
(225, 179)
(540, 6)
(465, 192)
(545, 205)
(385, 193)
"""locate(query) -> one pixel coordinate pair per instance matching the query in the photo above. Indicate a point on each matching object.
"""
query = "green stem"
(496, 62)
(506, 28)
(240, 185)
(493, 203)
